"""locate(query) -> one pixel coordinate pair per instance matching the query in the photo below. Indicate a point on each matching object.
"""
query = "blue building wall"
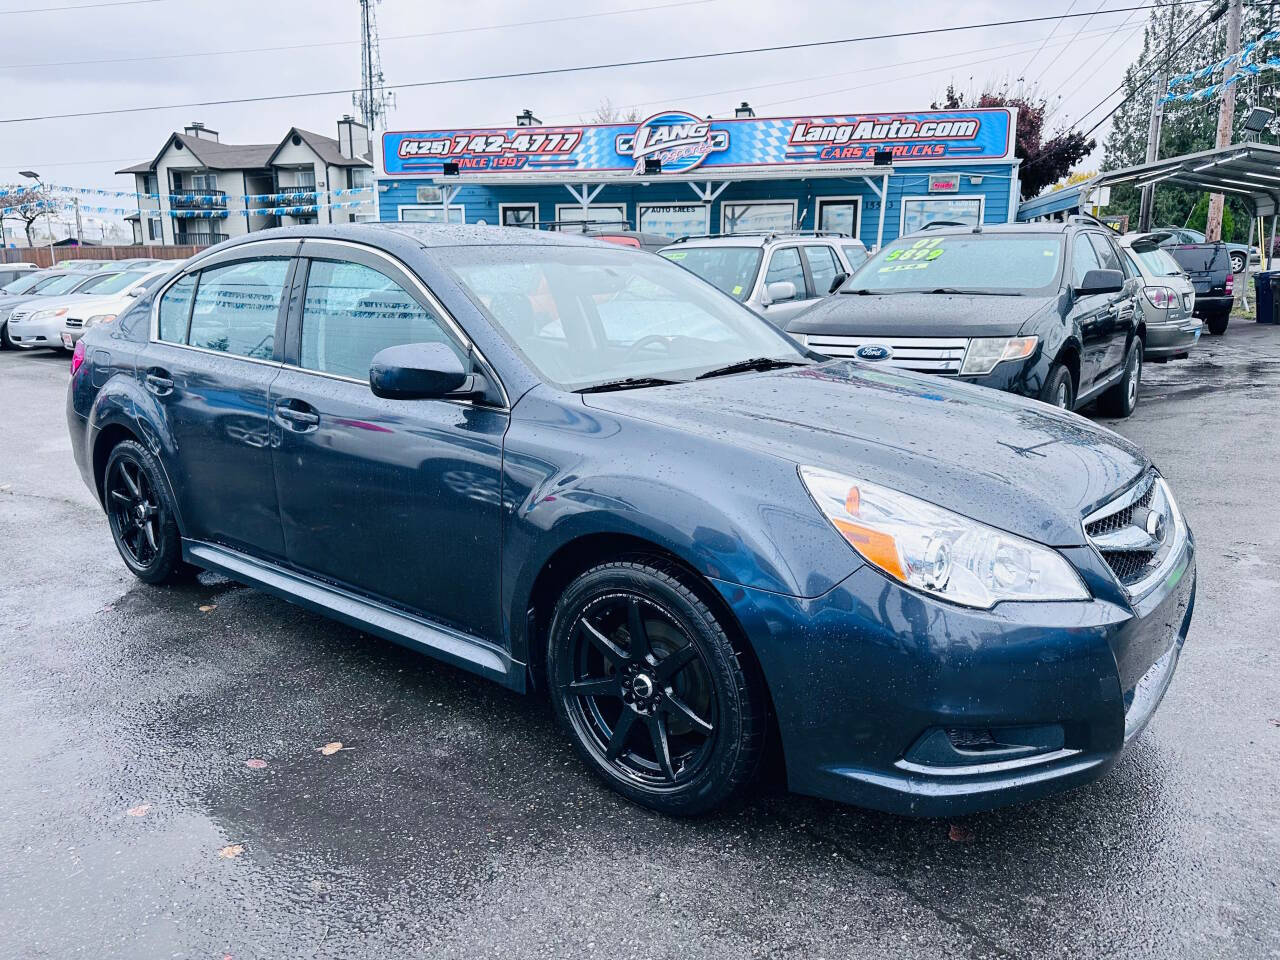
(481, 202)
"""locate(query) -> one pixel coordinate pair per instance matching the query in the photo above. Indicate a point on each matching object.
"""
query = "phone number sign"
(676, 141)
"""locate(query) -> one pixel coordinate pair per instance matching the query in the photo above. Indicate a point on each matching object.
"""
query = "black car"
(1044, 310)
(1209, 267)
(570, 466)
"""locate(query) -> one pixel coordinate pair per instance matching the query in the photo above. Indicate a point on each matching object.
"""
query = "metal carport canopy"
(1244, 169)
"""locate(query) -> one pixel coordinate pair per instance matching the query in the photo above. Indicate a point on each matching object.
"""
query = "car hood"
(89, 304)
(64, 300)
(1013, 463)
(919, 315)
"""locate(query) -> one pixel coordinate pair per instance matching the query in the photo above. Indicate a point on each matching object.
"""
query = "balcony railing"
(286, 193)
(200, 238)
(197, 199)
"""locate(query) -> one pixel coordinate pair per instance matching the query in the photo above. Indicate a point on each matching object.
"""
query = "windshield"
(584, 316)
(971, 262)
(112, 283)
(1155, 262)
(731, 269)
(23, 284)
(62, 283)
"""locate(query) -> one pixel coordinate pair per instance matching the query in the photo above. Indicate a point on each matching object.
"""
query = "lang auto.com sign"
(681, 142)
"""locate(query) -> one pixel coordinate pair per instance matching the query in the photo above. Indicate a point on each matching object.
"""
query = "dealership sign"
(680, 142)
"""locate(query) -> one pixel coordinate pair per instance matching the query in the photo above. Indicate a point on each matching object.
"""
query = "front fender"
(730, 513)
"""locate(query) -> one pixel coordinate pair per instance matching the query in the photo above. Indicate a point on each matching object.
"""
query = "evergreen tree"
(1187, 127)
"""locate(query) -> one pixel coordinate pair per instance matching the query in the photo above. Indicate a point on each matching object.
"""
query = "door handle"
(159, 382)
(296, 415)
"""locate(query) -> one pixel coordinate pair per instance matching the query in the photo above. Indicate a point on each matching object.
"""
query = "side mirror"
(779, 290)
(1101, 281)
(417, 371)
(137, 291)
(837, 282)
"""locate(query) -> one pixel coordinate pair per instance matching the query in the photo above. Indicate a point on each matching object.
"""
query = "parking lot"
(456, 821)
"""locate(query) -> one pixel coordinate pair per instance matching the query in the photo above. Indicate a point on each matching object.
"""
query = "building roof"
(215, 155)
(326, 148)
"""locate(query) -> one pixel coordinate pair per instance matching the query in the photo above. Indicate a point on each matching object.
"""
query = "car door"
(822, 266)
(1118, 320)
(215, 348)
(785, 264)
(1088, 313)
(397, 499)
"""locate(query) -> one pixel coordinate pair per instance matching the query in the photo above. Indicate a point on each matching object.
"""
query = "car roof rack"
(558, 224)
(766, 234)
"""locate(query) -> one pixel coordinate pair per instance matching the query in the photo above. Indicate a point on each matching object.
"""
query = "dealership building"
(871, 175)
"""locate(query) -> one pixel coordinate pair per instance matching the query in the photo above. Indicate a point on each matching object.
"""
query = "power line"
(82, 6)
(347, 43)
(583, 68)
(1073, 37)
(1046, 39)
(1113, 34)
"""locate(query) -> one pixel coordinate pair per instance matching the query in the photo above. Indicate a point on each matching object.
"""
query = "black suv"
(1044, 310)
(1209, 267)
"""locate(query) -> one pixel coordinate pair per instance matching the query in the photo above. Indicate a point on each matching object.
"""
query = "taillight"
(77, 357)
(1161, 297)
(1231, 281)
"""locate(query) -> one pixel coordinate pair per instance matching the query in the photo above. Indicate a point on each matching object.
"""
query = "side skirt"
(444, 643)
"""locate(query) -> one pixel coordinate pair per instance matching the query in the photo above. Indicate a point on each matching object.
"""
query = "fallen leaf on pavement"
(139, 811)
(206, 607)
(231, 851)
(960, 833)
(329, 749)
(255, 764)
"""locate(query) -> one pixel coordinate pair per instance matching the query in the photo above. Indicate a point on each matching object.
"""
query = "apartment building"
(199, 190)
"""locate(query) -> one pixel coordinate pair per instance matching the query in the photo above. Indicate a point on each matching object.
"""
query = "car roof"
(428, 235)
(761, 239)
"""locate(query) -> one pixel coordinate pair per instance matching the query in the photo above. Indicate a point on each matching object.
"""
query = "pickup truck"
(1209, 267)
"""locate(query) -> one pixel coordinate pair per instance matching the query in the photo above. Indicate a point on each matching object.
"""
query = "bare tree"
(608, 112)
(27, 204)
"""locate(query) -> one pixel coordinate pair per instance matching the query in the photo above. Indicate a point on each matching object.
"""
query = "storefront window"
(839, 214)
(519, 216)
(757, 217)
(601, 215)
(674, 220)
(432, 214)
(919, 212)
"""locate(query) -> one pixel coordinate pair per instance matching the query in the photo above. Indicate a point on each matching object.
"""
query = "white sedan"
(48, 322)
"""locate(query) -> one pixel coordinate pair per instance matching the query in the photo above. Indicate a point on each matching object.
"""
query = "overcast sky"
(44, 68)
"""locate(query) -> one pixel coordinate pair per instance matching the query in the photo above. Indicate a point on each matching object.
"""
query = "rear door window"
(352, 311)
(785, 265)
(236, 308)
(1083, 259)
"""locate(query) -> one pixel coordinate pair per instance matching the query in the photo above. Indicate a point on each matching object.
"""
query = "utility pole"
(1153, 154)
(79, 225)
(1226, 116)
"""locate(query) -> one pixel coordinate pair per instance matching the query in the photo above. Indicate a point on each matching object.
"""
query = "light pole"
(48, 217)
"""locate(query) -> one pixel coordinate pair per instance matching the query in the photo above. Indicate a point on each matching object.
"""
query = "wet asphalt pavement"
(455, 820)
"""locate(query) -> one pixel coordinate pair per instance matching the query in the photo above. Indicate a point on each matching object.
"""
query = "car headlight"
(985, 352)
(47, 314)
(939, 552)
(100, 318)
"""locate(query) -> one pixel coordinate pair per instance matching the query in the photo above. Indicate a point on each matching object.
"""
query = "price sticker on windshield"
(915, 257)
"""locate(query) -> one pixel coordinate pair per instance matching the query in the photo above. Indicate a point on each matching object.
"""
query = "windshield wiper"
(755, 363)
(977, 293)
(627, 383)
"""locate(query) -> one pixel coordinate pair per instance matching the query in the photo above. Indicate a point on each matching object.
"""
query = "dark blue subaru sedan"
(572, 466)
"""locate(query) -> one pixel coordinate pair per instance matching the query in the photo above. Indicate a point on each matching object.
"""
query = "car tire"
(141, 515)
(1059, 388)
(5, 342)
(674, 721)
(1237, 263)
(1122, 399)
(1217, 323)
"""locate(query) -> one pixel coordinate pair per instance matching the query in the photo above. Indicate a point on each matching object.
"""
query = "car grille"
(74, 322)
(925, 355)
(1136, 532)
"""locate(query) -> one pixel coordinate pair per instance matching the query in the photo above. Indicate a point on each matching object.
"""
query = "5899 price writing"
(491, 144)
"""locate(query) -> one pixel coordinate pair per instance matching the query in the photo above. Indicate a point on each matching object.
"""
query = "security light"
(652, 165)
(883, 158)
(1258, 119)
(743, 111)
(31, 174)
(450, 169)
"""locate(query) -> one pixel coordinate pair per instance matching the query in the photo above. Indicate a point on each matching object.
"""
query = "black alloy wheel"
(652, 690)
(142, 521)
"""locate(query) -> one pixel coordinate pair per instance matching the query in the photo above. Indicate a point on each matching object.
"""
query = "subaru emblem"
(873, 351)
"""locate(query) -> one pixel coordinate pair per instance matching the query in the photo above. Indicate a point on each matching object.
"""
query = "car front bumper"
(29, 334)
(870, 677)
(1172, 338)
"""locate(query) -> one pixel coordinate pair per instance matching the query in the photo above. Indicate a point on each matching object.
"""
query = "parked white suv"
(778, 275)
